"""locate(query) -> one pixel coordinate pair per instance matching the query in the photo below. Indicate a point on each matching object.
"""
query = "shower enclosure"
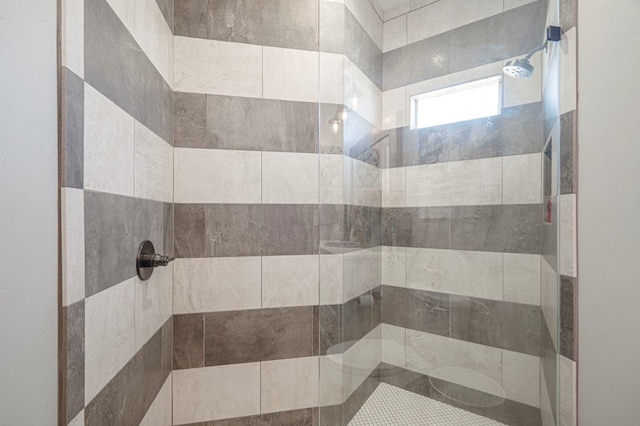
(371, 222)
(439, 244)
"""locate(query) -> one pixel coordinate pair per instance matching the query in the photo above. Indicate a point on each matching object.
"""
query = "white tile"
(290, 281)
(393, 266)
(520, 91)
(568, 235)
(446, 15)
(108, 145)
(512, 4)
(72, 240)
(153, 304)
(289, 384)
(472, 182)
(217, 67)
(331, 78)
(363, 186)
(366, 15)
(362, 272)
(330, 380)
(154, 36)
(217, 284)
(520, 377)
(216, 176)
(467, 273)
(369, 95)
(522, 179)
(475, 366)
(417, 4)
(393, 345)
(394, 108)
(125, 10)
(393, 182)
(568, 59)
(567, 392)
(214, 393)
(72, 35)
(545, 402)
(360, 360)
(289, 178)
(396, 11)
(331, 179)
(549, 299)
(153, 165)
(522, 278)
(395, 33)
(331, 279)
(290, 74)
(109, 335)
(159, 413)
(78, 420)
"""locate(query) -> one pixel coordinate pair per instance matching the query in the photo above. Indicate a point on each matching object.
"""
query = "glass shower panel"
(433, 241)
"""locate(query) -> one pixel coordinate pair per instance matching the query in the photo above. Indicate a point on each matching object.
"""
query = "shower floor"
(392, 406)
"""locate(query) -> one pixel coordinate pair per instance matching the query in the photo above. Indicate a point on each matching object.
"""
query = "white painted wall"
(609, 212)
(28, 213)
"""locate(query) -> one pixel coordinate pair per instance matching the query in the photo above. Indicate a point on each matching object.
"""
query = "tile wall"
(116, 174)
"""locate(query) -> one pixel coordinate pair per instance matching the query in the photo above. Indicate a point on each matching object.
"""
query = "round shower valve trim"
(148, 259)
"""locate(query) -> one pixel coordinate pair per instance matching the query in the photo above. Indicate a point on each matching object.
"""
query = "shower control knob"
(148, 259)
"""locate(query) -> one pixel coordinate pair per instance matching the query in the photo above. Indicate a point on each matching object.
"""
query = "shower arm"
(533, 52)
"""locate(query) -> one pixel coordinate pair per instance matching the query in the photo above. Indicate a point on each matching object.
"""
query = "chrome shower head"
(519, 68)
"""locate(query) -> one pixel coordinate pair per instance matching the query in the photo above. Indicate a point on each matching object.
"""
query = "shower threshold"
(391, 406)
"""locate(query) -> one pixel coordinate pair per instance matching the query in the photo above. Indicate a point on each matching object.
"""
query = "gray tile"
(332, 224)
(72, 130)
(549, 234)
(568, 154)
(362, 50)
(330, 142)
(356, 320)
(128, 396)
(330, 415)
(568, 14)
(167, 9)
(303, 417)
(362, 226)
(261, 124)
(549, 365)
(258, 335)
(568, 317)
(361, 140)
(332, 26)
(189, 225)
(425, 227)
(115, 226)
(168, 228)
(118, 68)
(190, 125)
(261, 229)
(501, 228)
(329, 320)
(72, 349)
(191, 18)
(512, 33)
(357, 399)
(505, 325)
(517, 130)
(188, 341)
(280, 23)
(416, 309)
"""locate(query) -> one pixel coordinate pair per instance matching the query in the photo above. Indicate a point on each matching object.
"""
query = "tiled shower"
(331, 258)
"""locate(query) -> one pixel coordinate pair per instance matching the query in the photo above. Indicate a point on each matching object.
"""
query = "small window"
(481, 98)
